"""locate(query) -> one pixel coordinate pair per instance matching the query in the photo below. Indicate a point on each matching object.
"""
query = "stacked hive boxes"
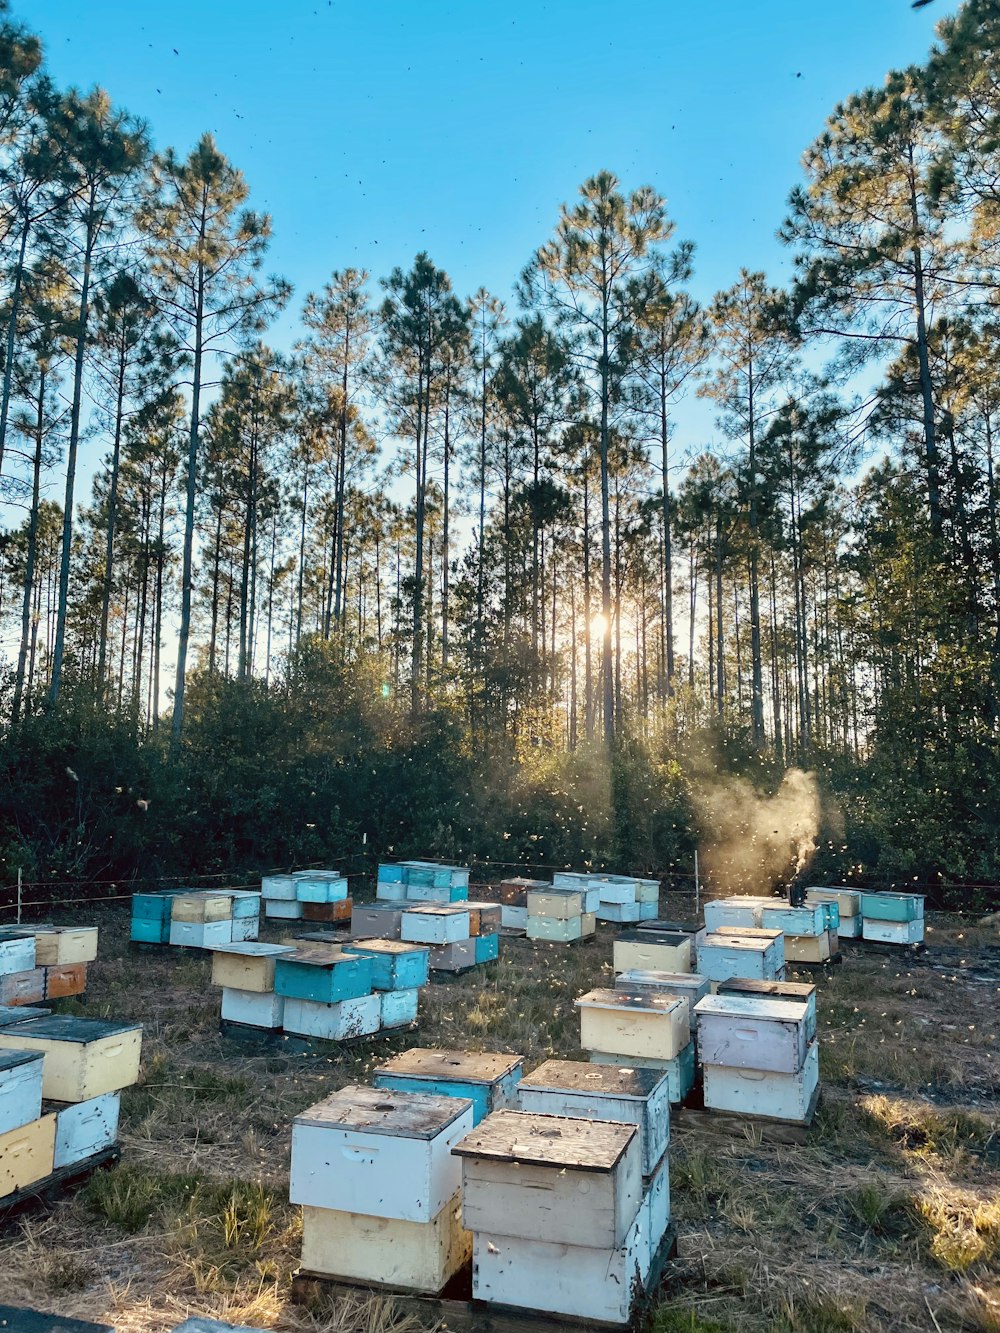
(642, 1026)
(196, 918)
(892, 918)
(422, 881)
(533, 1245)
(379, 1186)
(562, 915)
(741, 951)
(79, 1066)
(307, 895)
(848, 903)
(486, 1078)
(513, 895)
(44, 962)
(245, 973)
(622, 898)
(810, 931)
(426, 903)
(759, 1054)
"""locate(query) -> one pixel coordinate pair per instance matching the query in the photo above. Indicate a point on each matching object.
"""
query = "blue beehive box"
(892, 906)
(320, 888)
(399, 1008)
(807, 920)
(151, 917)
(487, 948)
(323, 976)
(389, 873)
(489, 1081)
(396, 964)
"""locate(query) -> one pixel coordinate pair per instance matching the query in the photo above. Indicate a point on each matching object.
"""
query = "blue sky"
(370, 130)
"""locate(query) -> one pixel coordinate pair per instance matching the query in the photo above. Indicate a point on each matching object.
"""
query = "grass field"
(886, 1217)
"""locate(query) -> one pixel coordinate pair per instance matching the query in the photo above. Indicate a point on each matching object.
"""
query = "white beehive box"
(27, 1154)
(688, 986)
(409, 1256)
(393, 892)
(399, 1007)
(584, 1283)
(346, 1019)
(893, 932)
(809, 919)
(746, 1032)
(735, 911)
(17, 954)
(618, 891)
(201, 934)
(280, 909)
(574, 1182)
(278, 888)
(386, 1153)
(86, 1128)
(513, 917)
(256, 1009)
(761, 1093)
(247, 966)
(646, 1024)
(623, 913)
(20, 1088)
(554, 930)
(583, 1091)
(84, 1057)
(245, 928)
(723, 956)
(435, 924)
(57, 946)
(649, 951)
(796, 992)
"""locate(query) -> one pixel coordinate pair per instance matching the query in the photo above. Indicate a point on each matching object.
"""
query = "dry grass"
(887, 1219)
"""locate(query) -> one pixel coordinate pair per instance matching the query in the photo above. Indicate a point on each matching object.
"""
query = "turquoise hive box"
(396, 964)
(321, 976)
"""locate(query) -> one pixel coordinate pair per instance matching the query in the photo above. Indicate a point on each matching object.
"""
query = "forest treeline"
(444, 575)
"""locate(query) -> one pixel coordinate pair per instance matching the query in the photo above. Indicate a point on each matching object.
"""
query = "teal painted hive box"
(396, 964)
(487, 948)
(892, 906)
(321, 976)
(320, 889)
(680, 1071)
(399, 1008)
(389, 873)
(807, 920)
(489, 1081)
(151, 917)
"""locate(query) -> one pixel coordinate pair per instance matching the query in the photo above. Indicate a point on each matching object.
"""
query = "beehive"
(809, 948)
(67, 979)
(320, 887)
(245, 902)
(198, 1324)
(752, 1032)
(201, 934)
(22, 987)
(514, 918)
(807, 920)
(323, 975)
(17, 1013)
(646, 1024)
(624, 913)
(758, 1092)
(86, 1128)
(523, 1175)
(487, 948)
(62, 946)
(84, 1057)
(17, 954)
(892, 906)
(342, 1021)
(618, 891)
(388, 1154)
(20, 1088)
(278, 888)
(151, 917)
(554, 930)
(247, 966)
(201, 907)
(733, 911)
(257, 1009)
(650, 951)
(893, 932)
(395, 964)
(487, 1079)
(723, 956)
(27, 1154)
(848, 906)
(379, 920)
(556, 903)
(281, 909)
(337, 911)
(413, 1256)
(454, 957)
(638, 1097)
(679, 1072)
(435, 924)
(245, 929)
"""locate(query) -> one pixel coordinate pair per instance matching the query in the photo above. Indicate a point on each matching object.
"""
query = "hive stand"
(49, 1188)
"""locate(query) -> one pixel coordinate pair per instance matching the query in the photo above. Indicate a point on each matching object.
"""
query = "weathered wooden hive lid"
(20, 1013)
(466, 1066)
(548, 1140)
(11, 1060)
(386, 946)
(640, 1001)
(438, 909)
(748, 932)
(580, 1076)
(319, 955)
(751, 1006)
(254, 949)
(519, 882)
(18, 1320)
(406, 1115)
(740, 939)
(67, 1027)
(790, 990)
(671, 927)
(17, 933)
(318, 874)
(651, 977)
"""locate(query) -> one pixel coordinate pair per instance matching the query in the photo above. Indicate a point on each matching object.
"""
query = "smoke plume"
(752, 843)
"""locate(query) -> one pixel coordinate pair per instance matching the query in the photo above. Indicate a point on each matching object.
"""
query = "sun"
(598, 626)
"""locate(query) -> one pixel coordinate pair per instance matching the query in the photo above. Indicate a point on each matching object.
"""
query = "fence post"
(697, 885)
(18, 895)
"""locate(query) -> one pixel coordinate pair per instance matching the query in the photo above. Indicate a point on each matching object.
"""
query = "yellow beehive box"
(652, 951)
(27, 1154)
(640, 1024)
(808, 948)
(248, 966)
(84, 1057)
(201, 907)
(417, 1256)
(62, 946)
